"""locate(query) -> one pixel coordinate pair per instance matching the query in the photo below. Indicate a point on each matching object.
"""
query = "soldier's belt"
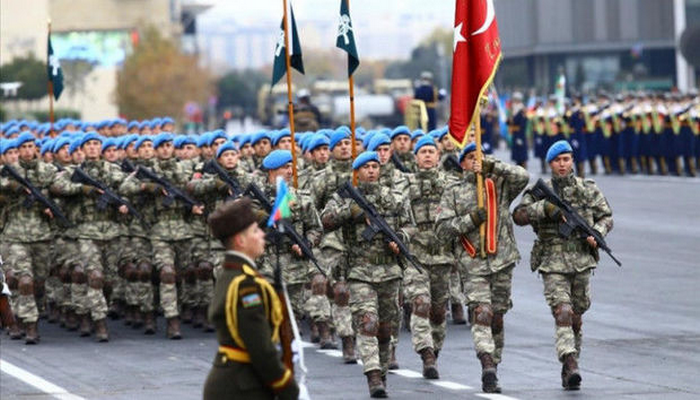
(233, 354)
(569, 246)
(381, 259)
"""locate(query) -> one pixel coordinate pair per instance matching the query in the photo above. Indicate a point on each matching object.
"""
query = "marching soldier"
(565, 264)
(517, 126)
(247, 314)
(487, 280)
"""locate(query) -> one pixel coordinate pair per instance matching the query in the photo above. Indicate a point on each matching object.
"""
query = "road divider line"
(451, 385)
(494, 396)
(406, 373)
(37, 382)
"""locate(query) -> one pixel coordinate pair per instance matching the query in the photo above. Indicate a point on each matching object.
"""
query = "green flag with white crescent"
(346, 38)
(279, 68)
(55, 74)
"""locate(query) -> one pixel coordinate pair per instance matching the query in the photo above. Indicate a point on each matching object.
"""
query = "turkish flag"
(477, 53)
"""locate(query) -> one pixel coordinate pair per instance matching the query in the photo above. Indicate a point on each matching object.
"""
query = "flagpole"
(480, 179)
(50, 87)
(351, 83)
(290, 104)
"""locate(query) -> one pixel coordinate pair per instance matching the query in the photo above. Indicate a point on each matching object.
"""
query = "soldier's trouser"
(29, 263)
(456, 293)
(317, 305)
(98, 256)
(297, 297)
(138, 273)
(568, 296)
(335, 259)
(170, 259)
(116, 281)
(428, 294)
(66, 255)
(375, 307)
(488, 297)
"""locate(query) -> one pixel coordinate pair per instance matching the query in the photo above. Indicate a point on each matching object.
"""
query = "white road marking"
(451, 385)
(37, 382)
(495, 396)
(332, 353)
(406, 373)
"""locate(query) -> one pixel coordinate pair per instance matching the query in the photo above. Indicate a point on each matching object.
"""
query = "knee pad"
(384, 332)
(64, 274)
(189, 274)
(576, 322)
(96, 279)
(483, 315)
(129, 272)
(369, 325)
(421, 306)
(12, 281)
(78, 275)
(318, 285)
(341, 295)
(563, 314)
(145, 271)
(167, 275)
(204, 271)
(26, 285)
(437, 313)
(497, 323)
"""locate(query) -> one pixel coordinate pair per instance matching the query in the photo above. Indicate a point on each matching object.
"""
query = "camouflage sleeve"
(336, 212)
(529, 210)
(131, 186)
(602, 213)
(406, 220)
(448, 223)
(116, 176)
(313, 229)
(206, 184)
(516, 178)
(63, 186)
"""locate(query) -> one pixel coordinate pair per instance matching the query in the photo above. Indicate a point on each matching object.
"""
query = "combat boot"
(622, 165)
(85, 325)
(690, 162)
(172, 330)
(570, 377)
(31, 334)
(315, 336)
(325, 334)
(197, 317)
(349, 350)
(101, 333)
(458, 314)
(137, 318)
(489, 380)
(679, 166)
(376, 385)
(54, 313)
(393, 364)
(71, 321)
(15, 331)
(116, 309)
(208, 326)
(186, 314)
(149, 323)
(429, 364)
(663, 168)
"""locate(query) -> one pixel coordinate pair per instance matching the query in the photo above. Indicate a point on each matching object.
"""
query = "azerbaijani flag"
(281, 208)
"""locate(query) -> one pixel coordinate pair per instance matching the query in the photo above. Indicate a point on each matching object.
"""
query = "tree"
(239, 89)
(158, 79)
(31, 72)
(433, 54)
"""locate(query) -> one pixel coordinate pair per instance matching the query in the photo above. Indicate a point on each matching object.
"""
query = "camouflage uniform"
(487, 281)
(373, 274)
(408, 159)
(428, 293)
(566, 264)
(27, 236)
(97, 233)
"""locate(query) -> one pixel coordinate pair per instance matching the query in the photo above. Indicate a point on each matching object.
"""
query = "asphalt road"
(641, 335)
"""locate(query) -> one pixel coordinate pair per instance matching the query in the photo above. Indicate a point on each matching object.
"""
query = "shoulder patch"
(251, 300)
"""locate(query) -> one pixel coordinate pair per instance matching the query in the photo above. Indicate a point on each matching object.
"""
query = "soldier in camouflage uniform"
(27, 237)
(373, 274)
(97, 234)
(428, 293)
(487, 280)
(401, 145)
(170, 234)
(566, 264)
(262, 145)
(318, 148)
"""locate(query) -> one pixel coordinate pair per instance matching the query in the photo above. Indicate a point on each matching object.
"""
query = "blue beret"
(145, 124)
(141, 140)
(378, 140)
(258, 137)
(417, 133)
(368, 137)
(132, 125)
(435, 134)
(167, 120)
(424, 141)
(109, 142)
(217, 134)
(74, 145)
(155, 123)
(177, 142)
(90, 136)
(225, 147)
(129, 139)
(281, 134)
(327, 132)
(317, 141)
(343, 128)
(359, 130)
(466, 150)
(277, 159)
(60, 142)
(12, 131)
(9, 144)
(336, 137)
(400, 130)
(47, 146)
(22, 124)
(364, 158)
(162, 138)
(245, 139)
(203, 139)
(557, 148)
(23, 138)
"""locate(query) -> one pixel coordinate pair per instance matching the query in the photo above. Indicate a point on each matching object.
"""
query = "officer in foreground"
(247, 314)
(565, 263)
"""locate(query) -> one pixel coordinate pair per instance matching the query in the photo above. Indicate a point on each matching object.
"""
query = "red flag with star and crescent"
(477, 54)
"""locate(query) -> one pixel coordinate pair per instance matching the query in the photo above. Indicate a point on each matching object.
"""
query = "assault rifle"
(573, 223)
(399, 165)
(213, 167)
(377, 224)
(172, 192)
(451, 164)
(108, 196)
(284, 225)
(35, 195)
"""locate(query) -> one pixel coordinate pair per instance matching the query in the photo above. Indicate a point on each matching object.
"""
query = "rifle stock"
(35, 195)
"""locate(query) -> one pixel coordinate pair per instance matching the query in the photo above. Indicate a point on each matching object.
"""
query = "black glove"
(478, 216)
